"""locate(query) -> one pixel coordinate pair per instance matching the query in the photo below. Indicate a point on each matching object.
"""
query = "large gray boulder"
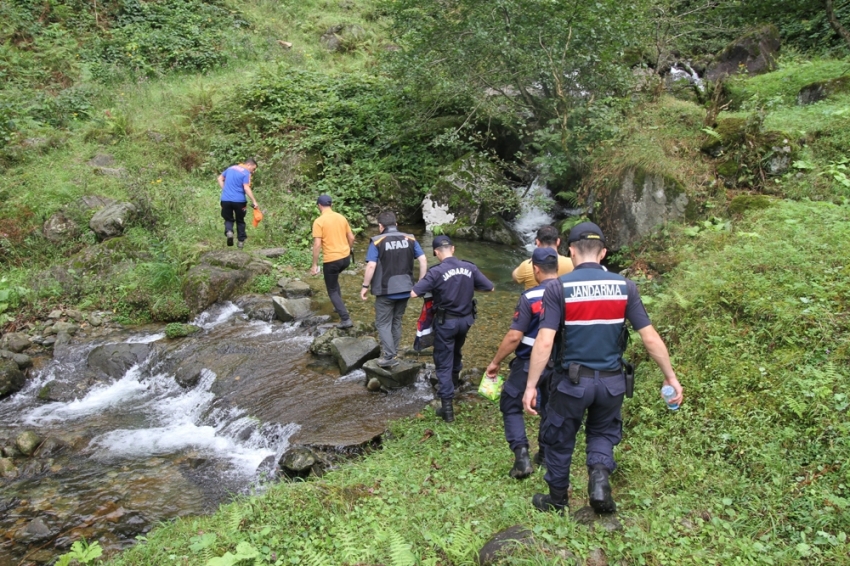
(287, 310)
(60, 228)
(219, 276)
(402, 375)
(352, 353)
(111, 220)
(296, 290)
(15, 342)
(113, 360)
(11, 378)
(755, 53)
(641, 202)
(299, 462)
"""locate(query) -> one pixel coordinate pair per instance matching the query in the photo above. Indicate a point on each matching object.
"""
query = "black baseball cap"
(440, 241)
(324, 200)
(586, 231)
(544, 256)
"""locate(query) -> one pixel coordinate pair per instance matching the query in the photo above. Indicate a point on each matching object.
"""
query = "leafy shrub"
(151, 38)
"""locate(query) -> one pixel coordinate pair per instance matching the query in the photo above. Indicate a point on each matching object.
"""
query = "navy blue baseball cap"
(324, 200)
(440, 241)
(544, 256)
(586, 231)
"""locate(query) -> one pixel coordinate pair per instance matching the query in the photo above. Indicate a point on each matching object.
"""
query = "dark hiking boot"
(345, 323)
(229, 236)
(522, 464)
(553, 502)
(447, 411)
(599, 490)
(240, 244)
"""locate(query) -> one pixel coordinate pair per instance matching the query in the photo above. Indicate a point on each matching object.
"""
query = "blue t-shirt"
(372, 255)
(234, 179)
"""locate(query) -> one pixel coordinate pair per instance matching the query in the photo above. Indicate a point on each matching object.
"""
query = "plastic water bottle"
(668, 393)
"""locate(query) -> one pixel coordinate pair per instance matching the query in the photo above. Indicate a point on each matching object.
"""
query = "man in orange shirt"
(332, 236)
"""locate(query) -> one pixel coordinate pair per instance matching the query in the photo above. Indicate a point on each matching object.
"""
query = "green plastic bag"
(491, 388)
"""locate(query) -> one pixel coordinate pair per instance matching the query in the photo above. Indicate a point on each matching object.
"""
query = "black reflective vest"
(394, 269)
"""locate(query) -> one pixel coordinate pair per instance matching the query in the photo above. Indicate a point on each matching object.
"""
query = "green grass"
(782, 86)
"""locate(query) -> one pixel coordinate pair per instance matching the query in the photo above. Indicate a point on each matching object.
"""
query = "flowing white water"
(535, 203)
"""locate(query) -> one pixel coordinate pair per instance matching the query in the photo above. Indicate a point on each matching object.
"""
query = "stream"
(140, 449)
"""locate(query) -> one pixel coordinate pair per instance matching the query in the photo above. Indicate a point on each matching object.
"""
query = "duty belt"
(585, 371)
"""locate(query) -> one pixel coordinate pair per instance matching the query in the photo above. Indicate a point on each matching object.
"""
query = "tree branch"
(833, 21)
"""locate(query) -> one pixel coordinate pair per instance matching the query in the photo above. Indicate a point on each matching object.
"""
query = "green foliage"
(781, 87)
(264, 283)
(178, 330)
(150, 38)
(81, 553)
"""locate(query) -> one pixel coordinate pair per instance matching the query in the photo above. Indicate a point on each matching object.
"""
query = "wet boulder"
(7, 468)
(219, 276)
(50, 447)
(256, 307)
(402, 375)
(113, 360)
(11, 378)
(287, 310)
(110, 221)
(299, 462)
(180, 330)
(15, 342)
(27, 442)
(754, 52)
(35, 531)
(352, 353)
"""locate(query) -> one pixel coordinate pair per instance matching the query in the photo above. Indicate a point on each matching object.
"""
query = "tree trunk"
(833, 21)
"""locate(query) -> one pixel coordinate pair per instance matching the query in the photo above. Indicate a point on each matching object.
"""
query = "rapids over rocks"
(202, 418)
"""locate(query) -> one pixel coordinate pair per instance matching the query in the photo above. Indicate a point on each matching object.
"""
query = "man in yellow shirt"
(332, 236)
(547, 237)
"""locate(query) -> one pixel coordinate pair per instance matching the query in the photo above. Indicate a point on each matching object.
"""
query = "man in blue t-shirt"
(235, 183)
(389, 272)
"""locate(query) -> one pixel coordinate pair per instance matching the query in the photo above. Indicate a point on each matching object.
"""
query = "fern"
(400, 552)
(462, 545)
(315, 557)
(234, 520)
(351, 548)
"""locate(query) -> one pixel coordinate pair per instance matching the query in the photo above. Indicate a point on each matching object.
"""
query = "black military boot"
(539, 457)
(553, 502)
(599, 490)
(447, 411)
(522, 465)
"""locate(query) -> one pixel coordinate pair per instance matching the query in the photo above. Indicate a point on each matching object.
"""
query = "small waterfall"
(535, 205)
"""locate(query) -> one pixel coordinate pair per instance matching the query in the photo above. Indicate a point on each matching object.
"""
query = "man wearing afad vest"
(587, 310)
(389, 273)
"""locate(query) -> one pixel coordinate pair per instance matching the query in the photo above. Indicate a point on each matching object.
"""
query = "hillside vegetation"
(751, 296)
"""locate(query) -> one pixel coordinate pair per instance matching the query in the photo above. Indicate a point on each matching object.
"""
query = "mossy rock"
(821, 90)
(743, 203)
(180, 330)
(728, 169)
